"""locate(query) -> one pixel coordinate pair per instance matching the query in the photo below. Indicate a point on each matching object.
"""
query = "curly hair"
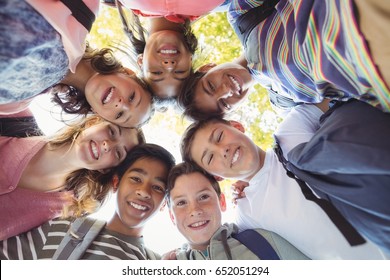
(90, 187)
(72, 100)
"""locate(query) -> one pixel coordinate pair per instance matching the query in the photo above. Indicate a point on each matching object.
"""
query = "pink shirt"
(23, 209)
(16, 109)
(72, 32)
(173, 10)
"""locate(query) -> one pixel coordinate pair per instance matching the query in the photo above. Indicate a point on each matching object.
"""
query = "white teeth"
(235, 156)
(94, 150)
(137, 206)
(108, 97)
(168, 51)
(236, 84)
(198, 224)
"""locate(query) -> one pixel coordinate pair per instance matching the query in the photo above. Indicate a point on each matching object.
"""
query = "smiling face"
(223, 88)
(224, 150)
(104, 145)
(140, 194)
(166, 62)
(119, 99)
(196, 209)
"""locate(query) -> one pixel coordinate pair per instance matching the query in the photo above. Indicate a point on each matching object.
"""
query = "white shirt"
(275, 202)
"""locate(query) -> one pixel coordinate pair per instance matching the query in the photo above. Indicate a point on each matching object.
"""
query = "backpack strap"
(255, 242)
(347, 230)
(80, 12)
(246, 22)
(78, 238)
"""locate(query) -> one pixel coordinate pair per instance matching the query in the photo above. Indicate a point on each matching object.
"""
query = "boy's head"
(195, 204)
(141, 187)
(222, 149)
(215, 90)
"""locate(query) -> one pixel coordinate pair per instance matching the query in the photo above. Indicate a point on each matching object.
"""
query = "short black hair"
(151, 151)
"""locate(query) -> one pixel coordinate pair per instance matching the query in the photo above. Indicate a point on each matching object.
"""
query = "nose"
(196, 210)
(168, 64)
(225, 152)
(118, 102)
(107, 146)
(143, 192)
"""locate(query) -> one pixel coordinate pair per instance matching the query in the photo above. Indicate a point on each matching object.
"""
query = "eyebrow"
(143, 172)
(184, 195)
(209, 141)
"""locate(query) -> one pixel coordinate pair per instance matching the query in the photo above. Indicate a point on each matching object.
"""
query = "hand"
(171, 255)
(238, 190)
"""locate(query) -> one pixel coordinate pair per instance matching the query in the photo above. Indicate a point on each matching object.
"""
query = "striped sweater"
(310, 50)
(43, 241)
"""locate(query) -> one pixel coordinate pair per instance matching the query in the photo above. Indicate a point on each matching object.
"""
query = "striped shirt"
(43, 241)
(309, 50)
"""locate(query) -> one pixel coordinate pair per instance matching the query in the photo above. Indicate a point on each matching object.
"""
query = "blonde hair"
(91, 188)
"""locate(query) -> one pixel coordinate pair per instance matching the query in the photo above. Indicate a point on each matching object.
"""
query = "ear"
(128, 71)
(115, 183)
(237, 125)
(222, 202)
(163, 205)
(172, 217)
(219, 179)
(140, 60)
(206, 67)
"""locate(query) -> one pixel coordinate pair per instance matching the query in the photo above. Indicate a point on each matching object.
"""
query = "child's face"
(223, 88)
(119, 99)
(104, 145)
(166, 62)
(196, 209)
(140, 194)
(224, 150)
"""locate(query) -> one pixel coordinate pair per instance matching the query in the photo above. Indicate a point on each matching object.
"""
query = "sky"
(160, 234)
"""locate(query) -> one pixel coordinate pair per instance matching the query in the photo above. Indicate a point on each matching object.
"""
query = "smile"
(198, 224)
(139, 207)
(108, 96)
(235, 156)
(169, 51)
(94, 150)
(236, 85)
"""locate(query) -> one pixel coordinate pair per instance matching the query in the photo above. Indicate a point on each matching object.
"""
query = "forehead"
(202, 136)
(150, 166)
(189, 184)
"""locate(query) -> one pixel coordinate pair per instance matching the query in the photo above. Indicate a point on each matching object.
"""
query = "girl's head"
(166, 62)
(165, 56)
(96, 144)
(113, 92)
